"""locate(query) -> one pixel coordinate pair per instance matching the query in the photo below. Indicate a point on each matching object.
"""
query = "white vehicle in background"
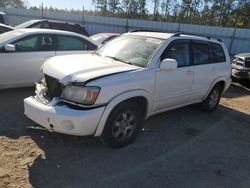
(110, 92)
(23, 51)
(103, 38)
(5, 28)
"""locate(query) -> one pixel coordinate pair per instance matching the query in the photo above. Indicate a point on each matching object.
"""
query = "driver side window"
(178, 50)
(27, 44)
(35, 43)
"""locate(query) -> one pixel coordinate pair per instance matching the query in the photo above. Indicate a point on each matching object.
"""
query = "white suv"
(110, 92)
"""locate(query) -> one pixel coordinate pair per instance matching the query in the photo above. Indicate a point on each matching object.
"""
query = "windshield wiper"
(118, 59)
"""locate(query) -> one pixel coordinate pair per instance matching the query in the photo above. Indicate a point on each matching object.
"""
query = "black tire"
(123, 125)
(212, 100)
(234, 79)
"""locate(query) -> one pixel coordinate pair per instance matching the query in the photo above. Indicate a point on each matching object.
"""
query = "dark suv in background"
(2, 17)
(54, 24)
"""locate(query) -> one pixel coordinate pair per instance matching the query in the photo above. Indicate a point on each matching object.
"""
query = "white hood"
(80, 68)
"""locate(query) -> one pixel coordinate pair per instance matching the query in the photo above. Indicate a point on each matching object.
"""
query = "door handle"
(190, 72)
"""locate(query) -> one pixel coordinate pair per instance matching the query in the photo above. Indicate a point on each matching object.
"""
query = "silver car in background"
(241, 66)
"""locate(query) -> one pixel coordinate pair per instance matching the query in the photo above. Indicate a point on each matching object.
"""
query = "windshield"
(25, 24)
(135, 50)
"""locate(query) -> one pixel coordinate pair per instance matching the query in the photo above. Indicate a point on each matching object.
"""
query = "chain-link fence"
(237, 40)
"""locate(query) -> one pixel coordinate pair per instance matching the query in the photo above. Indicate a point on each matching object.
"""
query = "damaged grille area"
(239, 62)
(54, 87)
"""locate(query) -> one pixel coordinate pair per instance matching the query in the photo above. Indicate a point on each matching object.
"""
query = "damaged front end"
(48, 90)
(48, 110)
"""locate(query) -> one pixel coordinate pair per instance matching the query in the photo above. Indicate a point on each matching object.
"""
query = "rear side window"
(67, 43)
(219, 55)
(204, 53)
(200, 53)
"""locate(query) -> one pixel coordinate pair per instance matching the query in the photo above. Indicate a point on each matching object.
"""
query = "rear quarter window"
(218, 52)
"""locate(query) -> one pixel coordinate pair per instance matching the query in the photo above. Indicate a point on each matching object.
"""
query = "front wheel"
(122, 126)
(212, 100)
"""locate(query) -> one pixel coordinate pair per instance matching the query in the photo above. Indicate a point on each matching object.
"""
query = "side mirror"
(9, 48)
(168, 64)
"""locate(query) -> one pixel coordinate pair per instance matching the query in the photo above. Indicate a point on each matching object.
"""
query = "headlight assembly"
(85, 95)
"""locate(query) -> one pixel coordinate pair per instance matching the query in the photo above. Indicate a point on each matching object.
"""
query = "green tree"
(12, 3)
(101, 6)
(142, 7)
(165, 7)
(113, 6)
(156, 9)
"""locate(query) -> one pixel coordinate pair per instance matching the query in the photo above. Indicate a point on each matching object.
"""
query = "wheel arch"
(143, 98)
(221, 81)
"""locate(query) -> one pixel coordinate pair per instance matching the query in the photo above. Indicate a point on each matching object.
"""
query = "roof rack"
(176, 34)
(186, 33)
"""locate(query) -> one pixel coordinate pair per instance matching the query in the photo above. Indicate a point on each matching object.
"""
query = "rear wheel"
(123, 125)
(212, 100)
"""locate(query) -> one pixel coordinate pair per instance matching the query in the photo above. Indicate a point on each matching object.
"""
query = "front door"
(22, 67)
(174, 88)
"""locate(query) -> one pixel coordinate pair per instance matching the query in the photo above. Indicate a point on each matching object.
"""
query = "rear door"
(208, 59)
(67, 44)
(22, 67)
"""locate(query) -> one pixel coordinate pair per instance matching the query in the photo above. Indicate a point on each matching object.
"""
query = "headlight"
(86, 95)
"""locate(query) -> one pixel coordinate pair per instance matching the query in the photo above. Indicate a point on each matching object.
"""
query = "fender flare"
(120, 98)
(219, 79)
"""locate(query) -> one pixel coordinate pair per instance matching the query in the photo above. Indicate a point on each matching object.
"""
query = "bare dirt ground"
(179, 148)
